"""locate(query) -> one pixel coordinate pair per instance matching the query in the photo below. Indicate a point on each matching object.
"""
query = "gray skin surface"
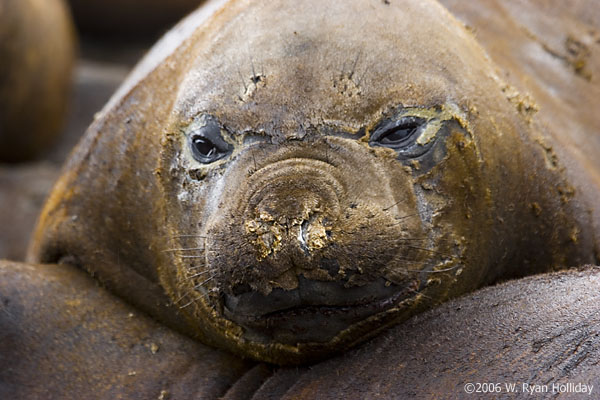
(69, 338)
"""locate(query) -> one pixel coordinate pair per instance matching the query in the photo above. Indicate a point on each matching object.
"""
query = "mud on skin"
(286, 196)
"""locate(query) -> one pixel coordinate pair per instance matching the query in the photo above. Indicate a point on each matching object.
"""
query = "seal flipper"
(61, 336)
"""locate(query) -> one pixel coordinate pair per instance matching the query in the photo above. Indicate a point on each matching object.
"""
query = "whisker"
(421, 293)
(405, 216)
(362, 76)
(182, 307)
(444, 270)
(198, 286)
(395, 204)
(183, 249)
(343, 71)
(392, 225)
(429, 250)
(181, 298)
(400, 219)
(202, 256)
(199, 274)
(198, 267)
(193, 235)
(353, 70)
(243, 80)
(423, 239)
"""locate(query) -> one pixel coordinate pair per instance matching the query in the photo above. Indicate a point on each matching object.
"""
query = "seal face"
(300, 249)
(295, 194)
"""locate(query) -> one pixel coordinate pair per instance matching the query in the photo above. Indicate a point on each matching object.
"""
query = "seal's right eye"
(208, 145)
(204, 147)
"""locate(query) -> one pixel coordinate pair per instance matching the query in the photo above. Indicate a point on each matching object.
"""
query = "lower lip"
(314, 323)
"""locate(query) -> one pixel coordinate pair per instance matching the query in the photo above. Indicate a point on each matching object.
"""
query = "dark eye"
(208, 145)
(397, 134)
(204, 147)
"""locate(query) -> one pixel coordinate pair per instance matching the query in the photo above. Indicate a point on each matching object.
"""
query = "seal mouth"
(315, 312)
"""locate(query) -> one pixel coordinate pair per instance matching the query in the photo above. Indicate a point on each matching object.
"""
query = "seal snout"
(294, 208)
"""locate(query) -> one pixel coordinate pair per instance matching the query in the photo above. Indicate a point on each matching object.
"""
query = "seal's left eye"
(208, 145)
(397, 134)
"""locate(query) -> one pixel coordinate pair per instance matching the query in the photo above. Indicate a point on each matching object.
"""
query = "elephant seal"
(37, 49)
(290, 188)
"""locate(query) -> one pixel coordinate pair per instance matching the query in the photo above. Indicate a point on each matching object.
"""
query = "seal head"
(330, 186)
(298, 185)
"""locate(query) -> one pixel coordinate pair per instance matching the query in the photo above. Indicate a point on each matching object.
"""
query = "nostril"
(314, 233)
(302, 235)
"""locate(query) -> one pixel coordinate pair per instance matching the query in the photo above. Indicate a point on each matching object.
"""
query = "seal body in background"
(37, 49)
(286, 182)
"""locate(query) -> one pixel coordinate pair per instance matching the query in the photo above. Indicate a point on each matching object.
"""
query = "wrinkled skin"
(37, 49)
(309, 234)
